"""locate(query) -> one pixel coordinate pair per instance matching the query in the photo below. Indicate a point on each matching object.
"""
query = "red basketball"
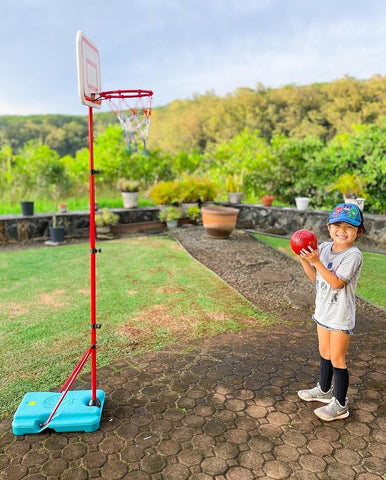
(303, 239)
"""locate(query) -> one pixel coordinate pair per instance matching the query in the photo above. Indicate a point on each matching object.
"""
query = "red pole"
(93, 251)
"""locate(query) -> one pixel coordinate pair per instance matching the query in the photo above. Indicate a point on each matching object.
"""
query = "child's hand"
(312, 256)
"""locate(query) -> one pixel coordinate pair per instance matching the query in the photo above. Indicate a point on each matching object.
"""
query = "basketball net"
(133, 110)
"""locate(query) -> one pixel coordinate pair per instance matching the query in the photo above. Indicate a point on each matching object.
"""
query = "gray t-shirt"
(335, 308)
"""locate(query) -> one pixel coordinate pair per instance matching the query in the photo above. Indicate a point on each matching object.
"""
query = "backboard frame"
(89, 71)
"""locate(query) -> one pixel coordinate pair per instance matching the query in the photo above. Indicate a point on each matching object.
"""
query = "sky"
(183, 48)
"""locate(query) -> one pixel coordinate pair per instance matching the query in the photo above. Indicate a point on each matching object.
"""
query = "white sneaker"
(333, 411)
(316, 394)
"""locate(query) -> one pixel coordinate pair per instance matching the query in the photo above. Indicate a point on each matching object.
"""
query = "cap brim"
(354, 223)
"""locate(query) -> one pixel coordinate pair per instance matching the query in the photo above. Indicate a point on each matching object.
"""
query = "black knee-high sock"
(341, 380)
(325, 374)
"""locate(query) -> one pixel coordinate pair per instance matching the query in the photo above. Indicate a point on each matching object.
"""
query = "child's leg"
(325, 367)
(339, 345)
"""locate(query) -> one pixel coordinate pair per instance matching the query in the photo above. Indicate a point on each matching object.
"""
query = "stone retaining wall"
(285, 221)
(16, 228)
(272, 220)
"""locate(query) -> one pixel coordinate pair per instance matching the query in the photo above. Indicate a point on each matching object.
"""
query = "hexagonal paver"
(239, 473)
(153, 463)
(337, 471)
(260, 444)
(190, 457)
(312, 463)
(347, 457)
(93, 460)
(214, 466)
(175, 472)
(285, 453)
(320, 448)
(114, 470)
(276, 469)
(256, 411)
(251, 460)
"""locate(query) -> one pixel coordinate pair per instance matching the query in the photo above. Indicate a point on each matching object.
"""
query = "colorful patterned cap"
(346, 212)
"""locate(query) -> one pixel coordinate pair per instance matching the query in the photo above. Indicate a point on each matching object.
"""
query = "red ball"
(303, 239)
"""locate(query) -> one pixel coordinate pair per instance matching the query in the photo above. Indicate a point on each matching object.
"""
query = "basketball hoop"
(133, 110)
(82, 412)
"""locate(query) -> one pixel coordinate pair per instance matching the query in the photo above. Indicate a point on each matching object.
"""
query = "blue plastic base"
(73, 415)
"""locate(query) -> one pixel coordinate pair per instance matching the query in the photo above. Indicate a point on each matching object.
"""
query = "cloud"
(180, 48)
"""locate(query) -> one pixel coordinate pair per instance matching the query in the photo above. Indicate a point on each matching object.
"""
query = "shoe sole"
(340, 417)
(322, 400)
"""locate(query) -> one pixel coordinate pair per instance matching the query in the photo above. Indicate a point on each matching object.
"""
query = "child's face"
(343, 234)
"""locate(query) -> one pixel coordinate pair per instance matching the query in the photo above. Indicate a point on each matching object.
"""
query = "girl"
(335, 269)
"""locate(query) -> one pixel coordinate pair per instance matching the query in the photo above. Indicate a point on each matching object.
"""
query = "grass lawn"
(150, 294)
(372, 280)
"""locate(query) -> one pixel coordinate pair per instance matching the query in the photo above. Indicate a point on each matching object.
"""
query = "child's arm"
(312, 256)
(309, 270)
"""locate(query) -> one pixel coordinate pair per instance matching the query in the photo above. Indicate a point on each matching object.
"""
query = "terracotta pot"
(218, 221)
(267, 200)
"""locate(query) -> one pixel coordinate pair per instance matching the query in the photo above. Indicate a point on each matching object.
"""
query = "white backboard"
(89, 70)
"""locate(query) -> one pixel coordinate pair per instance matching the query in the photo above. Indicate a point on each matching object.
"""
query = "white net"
(133, 110)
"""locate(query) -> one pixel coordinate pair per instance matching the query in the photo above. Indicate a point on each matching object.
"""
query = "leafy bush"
(106, 217)
(193, 212)
(165, 193)
(169, 214)
(195, 189)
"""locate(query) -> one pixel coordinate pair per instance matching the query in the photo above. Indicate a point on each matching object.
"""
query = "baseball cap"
(346, 212)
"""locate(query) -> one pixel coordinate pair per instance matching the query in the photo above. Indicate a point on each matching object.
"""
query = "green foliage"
(292, 141)
(193, 212)
(189, 189)
(106, 217)
(164, 193)
(349, 184)
(192, 189)
(235, 182)
(169, 214)
(126, 185)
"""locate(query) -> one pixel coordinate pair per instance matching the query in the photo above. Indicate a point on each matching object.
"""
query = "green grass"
(150, 294)
(42, 205)
(373, 275)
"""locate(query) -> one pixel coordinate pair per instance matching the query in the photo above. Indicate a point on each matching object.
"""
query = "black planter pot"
(27, 208)
(57, 234)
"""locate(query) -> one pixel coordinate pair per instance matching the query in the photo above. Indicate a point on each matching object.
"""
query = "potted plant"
(193, 190)
(129, 190)
(267, 200)
(193, 213)
(302, 203)
(188, 191)
(219, 221)
(234, 185)
(164, 194)
(62, 208)
(104, 220)
(351, 186)
(27, 208)
(54, 179)
(170, 215)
